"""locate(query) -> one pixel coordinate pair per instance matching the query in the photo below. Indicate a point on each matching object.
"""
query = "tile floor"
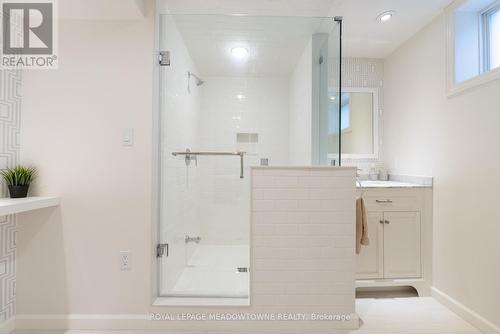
(212, 271)
(379, 316)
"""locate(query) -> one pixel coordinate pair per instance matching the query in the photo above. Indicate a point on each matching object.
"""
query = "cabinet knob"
(381, 222)
(387, 222)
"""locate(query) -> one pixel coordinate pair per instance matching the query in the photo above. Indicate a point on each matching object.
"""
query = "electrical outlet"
(125, 261)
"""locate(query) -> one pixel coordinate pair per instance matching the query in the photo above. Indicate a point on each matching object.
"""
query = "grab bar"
(188, 155)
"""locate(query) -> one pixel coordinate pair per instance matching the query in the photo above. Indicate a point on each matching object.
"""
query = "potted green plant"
(18, 180)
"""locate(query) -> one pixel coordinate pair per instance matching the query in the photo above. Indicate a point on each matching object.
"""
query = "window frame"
(486, 16)
(485, 75)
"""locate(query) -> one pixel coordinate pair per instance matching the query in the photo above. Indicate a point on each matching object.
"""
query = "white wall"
(72, 126)
(300, 110)
(456, 141)
(262, 109)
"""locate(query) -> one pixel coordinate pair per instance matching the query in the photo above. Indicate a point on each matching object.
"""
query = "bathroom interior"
(324, 157)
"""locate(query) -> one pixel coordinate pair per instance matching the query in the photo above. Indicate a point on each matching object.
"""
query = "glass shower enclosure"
(235, 91)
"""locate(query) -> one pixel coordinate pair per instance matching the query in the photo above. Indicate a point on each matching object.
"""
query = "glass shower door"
(204, 198)
(228, 95)
(330, 120)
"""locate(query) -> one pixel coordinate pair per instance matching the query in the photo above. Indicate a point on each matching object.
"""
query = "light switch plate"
(128, 137)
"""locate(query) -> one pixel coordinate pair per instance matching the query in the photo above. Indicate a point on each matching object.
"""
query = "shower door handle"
(188, 156)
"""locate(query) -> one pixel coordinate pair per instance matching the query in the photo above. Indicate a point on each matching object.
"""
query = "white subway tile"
(303, 239)
(329, 217)
(326, 229)
(304, 299)
(326, 265)
(263, 229)
(310, 205)
(263, 205)
(263, 181)
(318, 288)
(286, 181)
(275, 253)
(331, 193)
(269, 217)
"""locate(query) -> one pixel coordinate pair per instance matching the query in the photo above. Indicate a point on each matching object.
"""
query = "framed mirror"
(359, 125)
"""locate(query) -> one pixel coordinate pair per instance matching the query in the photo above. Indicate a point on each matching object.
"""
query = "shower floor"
(212, 272)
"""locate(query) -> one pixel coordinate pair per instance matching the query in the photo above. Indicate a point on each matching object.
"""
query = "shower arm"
(190, 155)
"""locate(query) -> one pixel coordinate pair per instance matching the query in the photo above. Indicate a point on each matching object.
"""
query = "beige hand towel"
(361, 225)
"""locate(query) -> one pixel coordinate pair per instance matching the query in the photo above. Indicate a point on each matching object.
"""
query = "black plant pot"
(19, 191)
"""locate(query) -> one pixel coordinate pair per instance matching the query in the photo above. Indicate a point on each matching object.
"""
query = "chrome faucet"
(189, 239)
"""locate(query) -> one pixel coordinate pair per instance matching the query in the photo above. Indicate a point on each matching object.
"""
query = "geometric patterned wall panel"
(363, 73)
(10, 116)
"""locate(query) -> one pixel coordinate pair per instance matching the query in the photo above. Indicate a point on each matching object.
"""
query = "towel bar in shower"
(189, 156)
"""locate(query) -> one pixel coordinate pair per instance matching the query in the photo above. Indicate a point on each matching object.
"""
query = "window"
(491, 20)
(475, 45)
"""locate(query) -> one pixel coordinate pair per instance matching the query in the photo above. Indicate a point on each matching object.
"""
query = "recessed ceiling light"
(240, 96)
(386, 16)
(332, 98)
(239, 52)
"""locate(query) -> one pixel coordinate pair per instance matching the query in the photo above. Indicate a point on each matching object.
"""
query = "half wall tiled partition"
(303, 226)
(10, 113)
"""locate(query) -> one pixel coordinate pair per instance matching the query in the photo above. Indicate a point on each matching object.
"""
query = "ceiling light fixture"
(332, 98)
(239, 52)
(240, 96)
(386, 16)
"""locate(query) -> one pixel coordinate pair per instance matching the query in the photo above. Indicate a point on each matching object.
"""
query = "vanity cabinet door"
(402, 245)
(370, 260)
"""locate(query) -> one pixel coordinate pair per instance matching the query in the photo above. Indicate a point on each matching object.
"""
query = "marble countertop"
(390, 184)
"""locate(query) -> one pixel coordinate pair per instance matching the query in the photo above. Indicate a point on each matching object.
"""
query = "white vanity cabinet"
(400, 232)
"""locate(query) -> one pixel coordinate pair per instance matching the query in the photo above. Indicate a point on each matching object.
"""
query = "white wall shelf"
(10, 206)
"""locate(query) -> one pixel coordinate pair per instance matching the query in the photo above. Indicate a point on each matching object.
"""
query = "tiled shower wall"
(10, 107)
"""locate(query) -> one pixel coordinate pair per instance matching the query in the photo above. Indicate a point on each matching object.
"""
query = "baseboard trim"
(82, 321)
(8, 326)
(482, 324)
(144, 323)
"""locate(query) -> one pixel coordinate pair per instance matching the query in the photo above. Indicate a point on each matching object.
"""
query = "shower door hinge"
(161, 249)
(164, 58)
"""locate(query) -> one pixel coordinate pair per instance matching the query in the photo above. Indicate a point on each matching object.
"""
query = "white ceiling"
(364, 36)
(250, 7)
(103, 9)
(274, 44)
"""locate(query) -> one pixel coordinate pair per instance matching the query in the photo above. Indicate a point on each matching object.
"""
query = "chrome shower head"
(199, 82)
